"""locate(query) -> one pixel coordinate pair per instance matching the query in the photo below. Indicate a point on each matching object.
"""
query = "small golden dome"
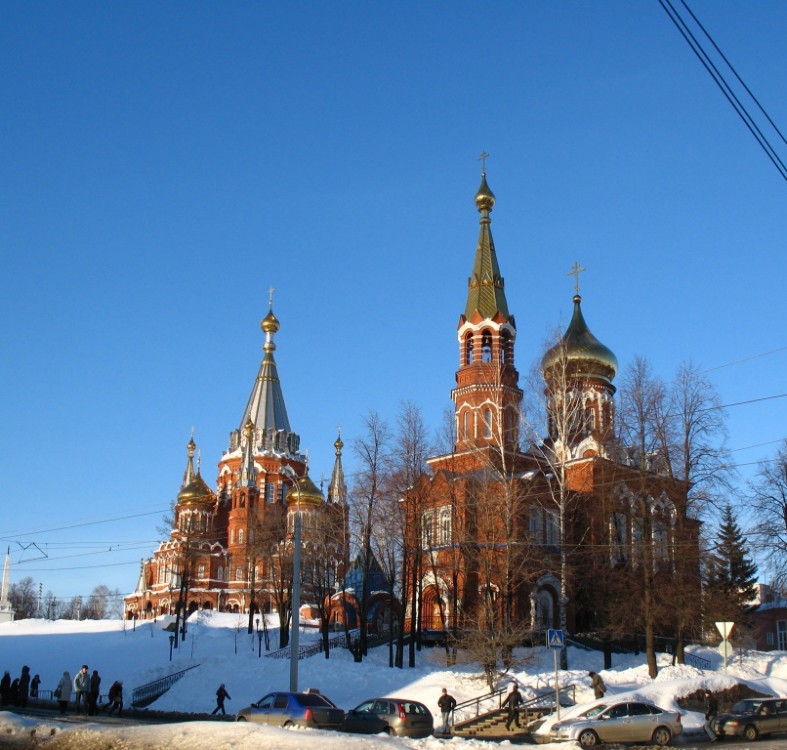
(484, 198)
(196, 491)
(270, 323)
(585, 355)
(309, 494)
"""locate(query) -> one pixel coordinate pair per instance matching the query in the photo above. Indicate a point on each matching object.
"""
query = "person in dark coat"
(446, 703)
(116, 698)
(35, 682)
(221, 696)
(599, 688)
(513, 700)
(15, 691)
(5, 689)
(711, 711)
(95, 682)
(24, 687)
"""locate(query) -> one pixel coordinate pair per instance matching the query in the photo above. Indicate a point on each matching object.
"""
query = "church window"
(238, 573)
(468, 348)
(220, 573)
(487, 423)
(427, 528)
(201, 571)
(660, 542)
(444, 527)
(486, 346)
(270, 492)
(590, 419)
(240, 536)
(618, 537)
(282, 493)
(251, 536)
(551, 528)
(536, 526)
(506, 353)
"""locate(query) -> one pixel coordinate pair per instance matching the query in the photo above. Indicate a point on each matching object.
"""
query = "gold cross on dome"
(270, 297)
(484, 156)
(576, 269)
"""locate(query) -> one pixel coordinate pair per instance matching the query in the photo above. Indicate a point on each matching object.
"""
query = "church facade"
(524, 533)
(230, 549)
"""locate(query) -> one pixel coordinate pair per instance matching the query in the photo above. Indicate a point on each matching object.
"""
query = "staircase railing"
(144, 695)
(336, 641)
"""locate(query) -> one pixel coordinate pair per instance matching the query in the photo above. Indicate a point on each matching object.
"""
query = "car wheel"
(390, 731)
(588, 738)
(662, 736)
(288, 724)
(750, 733)
(241, 718)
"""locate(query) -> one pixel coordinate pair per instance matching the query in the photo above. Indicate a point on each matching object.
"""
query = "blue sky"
(164, 164)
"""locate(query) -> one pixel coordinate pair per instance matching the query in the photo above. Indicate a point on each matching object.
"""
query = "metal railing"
(336, 641)
(146, 694)
(483, 705)
(695, 661)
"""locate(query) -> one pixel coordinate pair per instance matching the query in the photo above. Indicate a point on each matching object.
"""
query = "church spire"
(486, 298)
(266, 409)
(188, 474)
(337, 490)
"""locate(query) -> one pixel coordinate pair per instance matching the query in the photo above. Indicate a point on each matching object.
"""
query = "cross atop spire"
(270, 297)
(576, 269)
(484, 156)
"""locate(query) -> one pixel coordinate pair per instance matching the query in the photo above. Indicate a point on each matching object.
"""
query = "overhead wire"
(722, 83)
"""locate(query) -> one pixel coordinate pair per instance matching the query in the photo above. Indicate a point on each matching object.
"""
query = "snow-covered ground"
(227, 654)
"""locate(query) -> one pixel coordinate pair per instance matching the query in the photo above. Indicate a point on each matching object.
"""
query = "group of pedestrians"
(17, 691)
(87, 689)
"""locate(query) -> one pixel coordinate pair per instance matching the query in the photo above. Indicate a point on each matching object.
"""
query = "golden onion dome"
(309, 494)
(195, 492)
(586, 356)
(484, 198)
(270, 323)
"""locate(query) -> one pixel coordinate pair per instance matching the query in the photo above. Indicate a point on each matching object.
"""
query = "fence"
(145, 694)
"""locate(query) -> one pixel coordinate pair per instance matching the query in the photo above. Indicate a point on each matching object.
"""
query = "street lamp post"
(171, 644)
(296, 586)
(259, 639)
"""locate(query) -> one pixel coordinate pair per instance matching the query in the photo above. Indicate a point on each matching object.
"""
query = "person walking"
(513, 700)
(95, 682)
(599, 688)
(221, 695)
(35, 682)
(711, 711)
(446, 703)
(63, 692)
(82, 689)
(5, 688)
(24, 687)
(116, 698)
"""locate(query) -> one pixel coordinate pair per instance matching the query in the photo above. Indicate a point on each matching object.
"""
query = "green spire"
(485, 293)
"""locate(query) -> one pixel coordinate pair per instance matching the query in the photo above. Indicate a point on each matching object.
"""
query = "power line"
(721, 82)
(14, 534)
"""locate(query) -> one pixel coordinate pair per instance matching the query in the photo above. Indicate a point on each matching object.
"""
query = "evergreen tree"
(731, 573)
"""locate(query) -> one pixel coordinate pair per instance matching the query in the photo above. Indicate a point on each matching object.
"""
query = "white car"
(625, 721)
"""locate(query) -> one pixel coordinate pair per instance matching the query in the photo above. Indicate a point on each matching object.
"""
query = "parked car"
(752, 717)
(626, 721)
(394, 716)
(307, 709)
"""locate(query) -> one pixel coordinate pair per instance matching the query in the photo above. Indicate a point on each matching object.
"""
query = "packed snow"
(226, 653)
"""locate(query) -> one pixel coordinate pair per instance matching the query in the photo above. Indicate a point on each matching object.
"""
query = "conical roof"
(585, 355)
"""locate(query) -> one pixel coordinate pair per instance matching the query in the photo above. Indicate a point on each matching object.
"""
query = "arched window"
(468, 348)
(220, 573)
(238, 574)
(240, 536)
(444, 527)
(486, 346)
(506, 348)
(487, 423)
(618, 533)
(590, 419)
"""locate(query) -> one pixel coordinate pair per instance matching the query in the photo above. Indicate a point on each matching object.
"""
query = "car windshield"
(595, 711)
(745, 707)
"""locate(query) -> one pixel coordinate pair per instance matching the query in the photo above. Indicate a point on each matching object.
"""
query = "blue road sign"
(555, 639)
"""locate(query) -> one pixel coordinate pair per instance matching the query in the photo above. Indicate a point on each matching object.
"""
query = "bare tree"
(768, 508)
(24, 598)
(373, 453)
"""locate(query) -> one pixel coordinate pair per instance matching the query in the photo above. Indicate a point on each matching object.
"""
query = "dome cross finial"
(576, 269)
(484, 156)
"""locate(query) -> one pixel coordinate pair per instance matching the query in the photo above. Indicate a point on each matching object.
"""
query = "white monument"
(6, 611)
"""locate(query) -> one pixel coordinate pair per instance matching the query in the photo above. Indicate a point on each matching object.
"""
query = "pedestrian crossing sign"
(555, 639)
